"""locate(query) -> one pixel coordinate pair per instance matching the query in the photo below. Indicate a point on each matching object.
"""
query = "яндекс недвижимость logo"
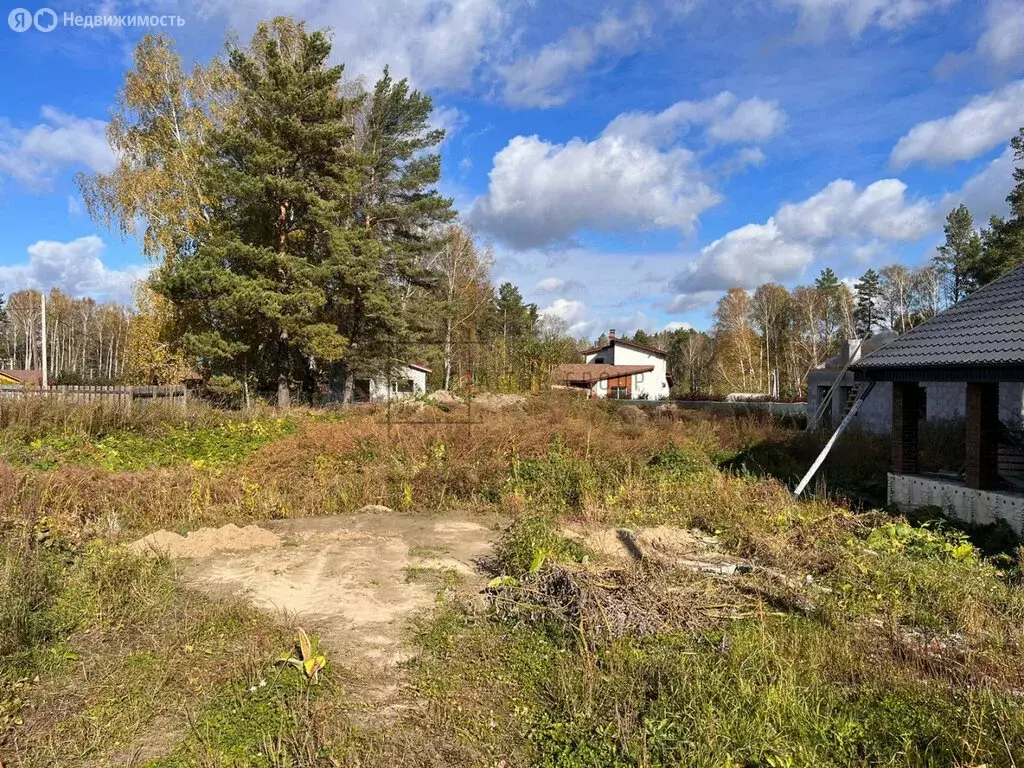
(46, 20)
(22, 19)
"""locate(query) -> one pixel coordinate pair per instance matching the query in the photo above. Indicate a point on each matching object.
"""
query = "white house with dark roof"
(623, 370)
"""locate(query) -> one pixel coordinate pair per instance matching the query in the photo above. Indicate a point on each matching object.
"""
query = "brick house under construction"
(975, 350)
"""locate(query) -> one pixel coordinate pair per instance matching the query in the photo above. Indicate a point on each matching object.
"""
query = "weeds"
(104, 643)
(853, 639)
(167, 446)
(530, 541)
(306, 656)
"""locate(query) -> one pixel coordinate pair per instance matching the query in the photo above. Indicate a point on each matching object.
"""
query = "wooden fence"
(118, 396)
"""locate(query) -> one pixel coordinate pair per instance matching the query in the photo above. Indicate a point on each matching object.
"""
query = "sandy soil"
(357, 580)
(206, 541)
(346, 578)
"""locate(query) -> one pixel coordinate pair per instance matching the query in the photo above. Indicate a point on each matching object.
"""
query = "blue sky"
(628, 162)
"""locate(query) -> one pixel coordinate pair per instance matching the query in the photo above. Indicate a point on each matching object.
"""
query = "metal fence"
(119, 396)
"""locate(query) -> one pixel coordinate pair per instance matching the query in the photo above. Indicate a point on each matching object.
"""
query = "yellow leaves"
(158, 131)
(306, 656)
(149, 357)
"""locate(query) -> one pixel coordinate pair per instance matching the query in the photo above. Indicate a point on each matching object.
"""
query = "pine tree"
(253, 295)
(515, 323)
(1002, 246)
(867, 314)
(827, 281)
(401, 215)
(829, 290)
(959, 255)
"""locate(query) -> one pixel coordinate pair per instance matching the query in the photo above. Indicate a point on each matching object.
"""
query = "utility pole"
(42, 297)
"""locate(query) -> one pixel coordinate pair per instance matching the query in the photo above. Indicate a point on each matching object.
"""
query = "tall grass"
(863, 640)
(98, 643)
(32, 416)
(560, 454)
(30, 580)
(905, 641)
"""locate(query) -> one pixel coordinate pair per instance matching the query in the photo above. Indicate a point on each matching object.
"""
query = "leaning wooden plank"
(832, 440)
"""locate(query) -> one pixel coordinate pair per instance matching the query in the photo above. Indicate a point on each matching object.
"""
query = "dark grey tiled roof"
(986, 328)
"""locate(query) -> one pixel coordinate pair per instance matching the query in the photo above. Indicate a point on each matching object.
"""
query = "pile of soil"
(206, 541)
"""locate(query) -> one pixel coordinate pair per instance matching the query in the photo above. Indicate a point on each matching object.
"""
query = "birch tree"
(465, 290)
(158, 131)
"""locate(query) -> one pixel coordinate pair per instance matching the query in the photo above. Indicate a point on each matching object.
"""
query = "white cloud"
(74, 206)
(539, 79)
(583, 321)
(634, 176)
(1002, 42)
(752, 120)
(75, 267)
(613, 289)
(573, 312)
(984, 194)
(34, 156)
(740, 160)
(747, 257)
(781, 248)
(541, 192)
(436, 43)
(449, 119)
(863, 253)
(677, 325)
(840, 210)
(550, 285)
(858, 15)
(688, 302)
(985, 122)
(727, 119)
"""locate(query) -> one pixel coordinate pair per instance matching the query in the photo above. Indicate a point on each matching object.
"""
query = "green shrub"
(165, 446)
(532, 539)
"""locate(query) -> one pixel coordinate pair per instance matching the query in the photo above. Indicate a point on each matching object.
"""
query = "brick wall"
(982, 436)
(906, 414)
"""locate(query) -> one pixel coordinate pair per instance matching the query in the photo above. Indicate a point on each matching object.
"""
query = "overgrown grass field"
(852, 638)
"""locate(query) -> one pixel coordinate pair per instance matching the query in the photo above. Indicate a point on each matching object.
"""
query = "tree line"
(299, 243)
(85, 340)
(769, 339)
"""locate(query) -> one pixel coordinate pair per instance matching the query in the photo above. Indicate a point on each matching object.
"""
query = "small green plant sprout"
(306, 656)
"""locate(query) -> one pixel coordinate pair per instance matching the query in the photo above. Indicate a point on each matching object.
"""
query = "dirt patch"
(355, 580)
(494, 402)
(205, 542)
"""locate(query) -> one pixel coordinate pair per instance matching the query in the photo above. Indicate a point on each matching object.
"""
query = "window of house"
(619, 393)
(361, 391)
(598, 359)
(402, 386)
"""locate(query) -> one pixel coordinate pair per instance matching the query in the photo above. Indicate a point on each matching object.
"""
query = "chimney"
(611, 335)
